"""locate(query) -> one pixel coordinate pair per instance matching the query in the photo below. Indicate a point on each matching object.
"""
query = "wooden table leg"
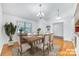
(43, 46)
(31, 49)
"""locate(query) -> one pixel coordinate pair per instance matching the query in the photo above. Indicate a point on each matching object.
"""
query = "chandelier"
(40, 13)
(58, 17)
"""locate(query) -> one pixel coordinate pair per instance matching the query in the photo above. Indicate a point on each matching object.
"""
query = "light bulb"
(40, 14)
(58, 18)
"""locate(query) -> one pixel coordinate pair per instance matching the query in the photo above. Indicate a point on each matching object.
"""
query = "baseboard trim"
(58, 36)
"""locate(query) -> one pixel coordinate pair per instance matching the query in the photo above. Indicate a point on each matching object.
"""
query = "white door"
(58, 29)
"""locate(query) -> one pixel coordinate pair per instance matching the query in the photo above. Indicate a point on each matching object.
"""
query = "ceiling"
(30, 10)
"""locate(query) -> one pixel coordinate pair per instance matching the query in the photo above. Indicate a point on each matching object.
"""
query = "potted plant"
(48, 28)
(10, 30)
(38, 30)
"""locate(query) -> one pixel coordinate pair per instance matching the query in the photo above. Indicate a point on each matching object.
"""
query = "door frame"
(62, 28)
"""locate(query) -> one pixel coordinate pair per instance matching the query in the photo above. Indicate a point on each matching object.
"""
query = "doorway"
(58, 29)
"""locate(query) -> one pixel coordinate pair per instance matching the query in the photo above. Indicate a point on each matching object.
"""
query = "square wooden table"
(7, 50)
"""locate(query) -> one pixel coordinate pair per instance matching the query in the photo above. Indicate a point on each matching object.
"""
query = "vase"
(10, 43)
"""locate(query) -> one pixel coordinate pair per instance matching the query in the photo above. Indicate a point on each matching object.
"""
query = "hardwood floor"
(67, 47)
(7, 50)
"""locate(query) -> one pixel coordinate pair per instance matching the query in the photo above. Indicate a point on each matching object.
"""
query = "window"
(25, 26)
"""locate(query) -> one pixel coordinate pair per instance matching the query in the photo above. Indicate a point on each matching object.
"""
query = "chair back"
(22, 41)
(47, 38)
(39, 41)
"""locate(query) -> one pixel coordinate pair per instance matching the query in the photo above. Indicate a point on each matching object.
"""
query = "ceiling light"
(58, 17)
(40, 13)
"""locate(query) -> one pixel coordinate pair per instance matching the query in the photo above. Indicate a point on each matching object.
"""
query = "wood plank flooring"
(67, 47)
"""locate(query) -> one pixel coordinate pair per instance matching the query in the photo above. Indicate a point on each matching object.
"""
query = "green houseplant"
(38, 30)
(10, 30)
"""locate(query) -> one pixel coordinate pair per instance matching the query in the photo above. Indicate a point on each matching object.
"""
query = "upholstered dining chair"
(46, 44)
(23, 44)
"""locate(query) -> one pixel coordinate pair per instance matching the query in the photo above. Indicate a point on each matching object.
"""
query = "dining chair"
(23, 44)
(46, 44)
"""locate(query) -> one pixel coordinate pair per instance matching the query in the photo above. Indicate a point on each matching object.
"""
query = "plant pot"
(10, 43)
(38, 33)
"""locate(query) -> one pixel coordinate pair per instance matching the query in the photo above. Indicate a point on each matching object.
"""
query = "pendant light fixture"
(40, 13)
(58, 16)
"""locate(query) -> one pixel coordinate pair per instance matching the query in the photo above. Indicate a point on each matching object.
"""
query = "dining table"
(32, 39)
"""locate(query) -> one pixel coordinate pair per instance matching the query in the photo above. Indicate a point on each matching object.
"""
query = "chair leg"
(18, 53)
(43, 52)
(21, 50)
(48, 50)
(51, 46)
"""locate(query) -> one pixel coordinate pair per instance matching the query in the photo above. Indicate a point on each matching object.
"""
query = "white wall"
(68, 29)
(10, 18)
(41, 23)
(1, 23)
